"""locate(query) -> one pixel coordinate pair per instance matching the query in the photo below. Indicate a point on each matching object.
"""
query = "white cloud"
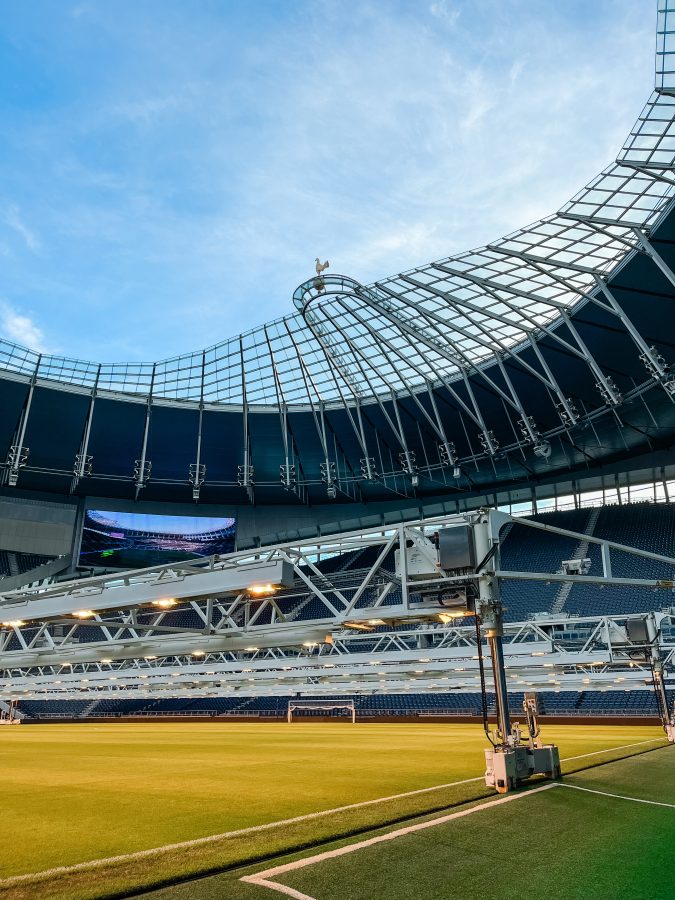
(440, 10)
(21, 329)
(12, 218)
(186, 197)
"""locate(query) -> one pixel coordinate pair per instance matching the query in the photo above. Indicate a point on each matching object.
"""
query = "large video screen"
(134, 540)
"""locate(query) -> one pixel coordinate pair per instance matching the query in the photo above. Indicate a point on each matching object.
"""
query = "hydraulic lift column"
(656, 662)
(494, 633)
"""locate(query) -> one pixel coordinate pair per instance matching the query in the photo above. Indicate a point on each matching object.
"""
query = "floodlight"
(446, 617)
(262, 590)
(84, 614)
(165, 602)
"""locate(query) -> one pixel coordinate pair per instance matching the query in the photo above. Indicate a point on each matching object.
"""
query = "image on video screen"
(133, 540)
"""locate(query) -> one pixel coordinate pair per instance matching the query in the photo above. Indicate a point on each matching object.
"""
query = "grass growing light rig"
(511, 759)
(468, 556)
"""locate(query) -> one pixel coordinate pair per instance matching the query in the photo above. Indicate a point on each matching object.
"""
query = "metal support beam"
(647, 247)
(18, 453)
(83, 461)
(143, 466)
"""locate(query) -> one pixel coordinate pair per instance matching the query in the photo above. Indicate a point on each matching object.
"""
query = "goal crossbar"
(321, 705)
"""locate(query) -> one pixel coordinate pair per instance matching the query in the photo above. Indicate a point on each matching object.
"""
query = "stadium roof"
(546, 350)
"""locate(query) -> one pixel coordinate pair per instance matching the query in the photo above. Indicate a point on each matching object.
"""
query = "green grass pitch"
(75, 793)
(560, 843)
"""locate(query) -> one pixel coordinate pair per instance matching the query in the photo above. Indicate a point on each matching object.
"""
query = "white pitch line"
(211, 838)
(609, 749)
(280, 888)
(264, 879)
(254, 829)
(576, 787)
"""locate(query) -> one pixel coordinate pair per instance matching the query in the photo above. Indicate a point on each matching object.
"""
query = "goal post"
(321, 706)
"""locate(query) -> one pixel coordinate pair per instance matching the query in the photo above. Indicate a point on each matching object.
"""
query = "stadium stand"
(563, 703)
(530, 551)
(647, 526)
(53, 709)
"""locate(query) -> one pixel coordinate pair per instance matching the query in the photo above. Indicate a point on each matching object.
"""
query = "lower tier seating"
(559, 703)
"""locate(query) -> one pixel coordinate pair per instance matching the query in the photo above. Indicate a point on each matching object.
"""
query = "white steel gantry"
(358, 612)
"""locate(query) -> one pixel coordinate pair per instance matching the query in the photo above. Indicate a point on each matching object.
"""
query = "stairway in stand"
(580, 551)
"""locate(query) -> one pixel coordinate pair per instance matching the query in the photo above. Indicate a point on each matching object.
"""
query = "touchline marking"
(264, 879)
(211, 838)
(576, 787)
(254, 829)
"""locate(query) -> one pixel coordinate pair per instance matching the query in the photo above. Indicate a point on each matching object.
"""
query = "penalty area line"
(610, 749)
(266, 877)
(576, 787)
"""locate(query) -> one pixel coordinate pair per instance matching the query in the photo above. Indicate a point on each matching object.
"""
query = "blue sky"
(170, 168)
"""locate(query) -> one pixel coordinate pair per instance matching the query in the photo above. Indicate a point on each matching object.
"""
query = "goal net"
(322, 706)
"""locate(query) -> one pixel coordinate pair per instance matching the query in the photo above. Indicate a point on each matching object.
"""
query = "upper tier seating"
(648, 526)
(527, 550)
